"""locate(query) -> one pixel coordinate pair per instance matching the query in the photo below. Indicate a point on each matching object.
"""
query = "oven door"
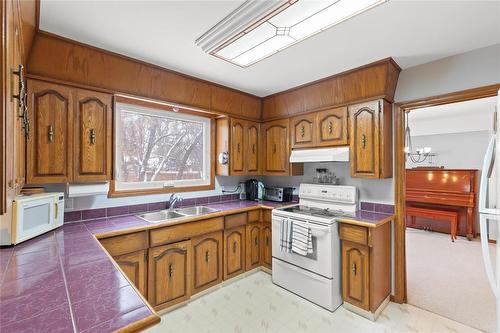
(326, 247)
(34, 216)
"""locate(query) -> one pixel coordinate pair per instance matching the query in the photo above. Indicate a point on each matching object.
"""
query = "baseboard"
(367, 314)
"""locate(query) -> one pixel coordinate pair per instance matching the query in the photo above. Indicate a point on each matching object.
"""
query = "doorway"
(405, 266)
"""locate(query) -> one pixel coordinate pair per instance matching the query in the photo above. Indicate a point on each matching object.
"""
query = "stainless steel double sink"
(172, 214)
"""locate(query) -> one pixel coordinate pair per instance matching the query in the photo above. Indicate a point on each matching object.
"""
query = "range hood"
(337, 154)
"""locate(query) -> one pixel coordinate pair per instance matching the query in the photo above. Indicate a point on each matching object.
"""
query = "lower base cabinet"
(266, 245)
(207, 261)
(234, 252)
(252, 246)
(134, 266)
(366, 266)
(169, 274)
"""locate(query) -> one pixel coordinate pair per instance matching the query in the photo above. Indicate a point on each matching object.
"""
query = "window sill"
(113, 193)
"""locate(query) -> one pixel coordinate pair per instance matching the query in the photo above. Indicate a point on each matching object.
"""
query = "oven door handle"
(308, 225)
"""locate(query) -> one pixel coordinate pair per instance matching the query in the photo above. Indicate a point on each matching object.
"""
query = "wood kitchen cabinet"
(234, 252)
(366, 268)
(49, 148)
(253, 251)
(70, 139)
(371, 139)
(92, 136)
(134, 265)
(266, 245)
(303, 129)
(276, 149)
(169, 274)
(240, 139)
(331, 127)
(207, 261)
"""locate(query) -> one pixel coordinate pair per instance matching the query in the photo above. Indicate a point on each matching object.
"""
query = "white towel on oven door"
(301, 239)
(286, 236)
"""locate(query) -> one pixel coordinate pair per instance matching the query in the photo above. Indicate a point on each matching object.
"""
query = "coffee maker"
(254, 189)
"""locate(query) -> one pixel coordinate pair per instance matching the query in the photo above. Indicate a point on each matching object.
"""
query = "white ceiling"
(468, 116)
(164, 32)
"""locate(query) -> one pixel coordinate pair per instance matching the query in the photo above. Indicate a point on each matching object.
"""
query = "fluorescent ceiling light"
(258, 29)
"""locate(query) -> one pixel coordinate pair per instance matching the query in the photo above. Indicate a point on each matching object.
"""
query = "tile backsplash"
(377, 207)
(89, 214)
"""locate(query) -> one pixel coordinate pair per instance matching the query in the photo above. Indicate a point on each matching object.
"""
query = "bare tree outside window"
(159, 148)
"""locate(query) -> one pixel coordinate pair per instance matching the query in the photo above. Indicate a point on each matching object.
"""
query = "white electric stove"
(316, 276)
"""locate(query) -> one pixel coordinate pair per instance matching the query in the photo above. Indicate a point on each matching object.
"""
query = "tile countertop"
(63, 281)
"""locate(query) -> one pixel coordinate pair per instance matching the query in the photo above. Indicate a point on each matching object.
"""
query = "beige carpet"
(449, 278)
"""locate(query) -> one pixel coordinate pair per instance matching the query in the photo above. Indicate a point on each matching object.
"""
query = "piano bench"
(436, 214)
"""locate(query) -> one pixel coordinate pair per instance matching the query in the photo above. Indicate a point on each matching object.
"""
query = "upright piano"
(446, 189)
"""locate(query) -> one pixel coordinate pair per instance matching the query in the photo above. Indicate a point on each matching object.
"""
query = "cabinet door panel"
(234, 252)
(303, 131)
(355, 269)
(332, 127)
(134, 266)
(276, 147)
(169, 274)
(252, 148)
(48, 142)
(266, 246)
(236, 156)
(364, 140)
(252, 246)
(92, 136)
(207, 260)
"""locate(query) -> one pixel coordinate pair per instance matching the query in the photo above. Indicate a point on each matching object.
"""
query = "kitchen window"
(161, 151)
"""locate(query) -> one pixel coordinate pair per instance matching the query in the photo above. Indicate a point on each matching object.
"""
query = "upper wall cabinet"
(70, 139)
(303, 131)
(92, 138)
(371, 139)
(332, 127)
(276, 149)
(240, 139)
(49, 143)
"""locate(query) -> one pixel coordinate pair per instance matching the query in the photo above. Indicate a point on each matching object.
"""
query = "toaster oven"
(280, 194)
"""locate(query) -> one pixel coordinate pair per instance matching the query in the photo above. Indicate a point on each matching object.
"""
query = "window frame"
(161, 109)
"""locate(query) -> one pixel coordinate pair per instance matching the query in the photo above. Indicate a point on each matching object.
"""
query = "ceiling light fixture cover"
(258, 29)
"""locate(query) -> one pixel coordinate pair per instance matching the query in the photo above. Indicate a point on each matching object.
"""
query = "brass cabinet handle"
(330, 127)
(238, 147)
(234, 247)
(170, 270)
(354, 269)
(256, 241)
(274, 148)
(253, 148)
(92, 136)
(363, 141)
(302, 131)
(207, 256)
(267, 241)
(51, 133)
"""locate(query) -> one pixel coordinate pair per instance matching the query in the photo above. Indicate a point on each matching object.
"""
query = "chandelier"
(419, 155)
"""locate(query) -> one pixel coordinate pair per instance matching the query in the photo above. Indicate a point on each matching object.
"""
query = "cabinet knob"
(234, 247)
(354, 269)
(267, 240)
(170, 270)
(256, 241)
(50, 133)
(253, 148)
(330, 127)
(238, 147)
(92, 136)
(207, 256)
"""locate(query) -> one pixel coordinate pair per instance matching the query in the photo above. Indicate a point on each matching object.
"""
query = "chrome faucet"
(173, 200)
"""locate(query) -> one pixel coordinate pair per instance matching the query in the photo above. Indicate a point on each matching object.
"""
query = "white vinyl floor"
(255, 304)
(448, 278)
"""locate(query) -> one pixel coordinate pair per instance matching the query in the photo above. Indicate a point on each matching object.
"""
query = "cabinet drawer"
(354, 233)
(266, 215)
(123, 244)
(254, 216)
(235, 220)
(184, 231)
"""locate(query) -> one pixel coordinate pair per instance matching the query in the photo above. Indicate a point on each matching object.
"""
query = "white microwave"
(33, 215)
